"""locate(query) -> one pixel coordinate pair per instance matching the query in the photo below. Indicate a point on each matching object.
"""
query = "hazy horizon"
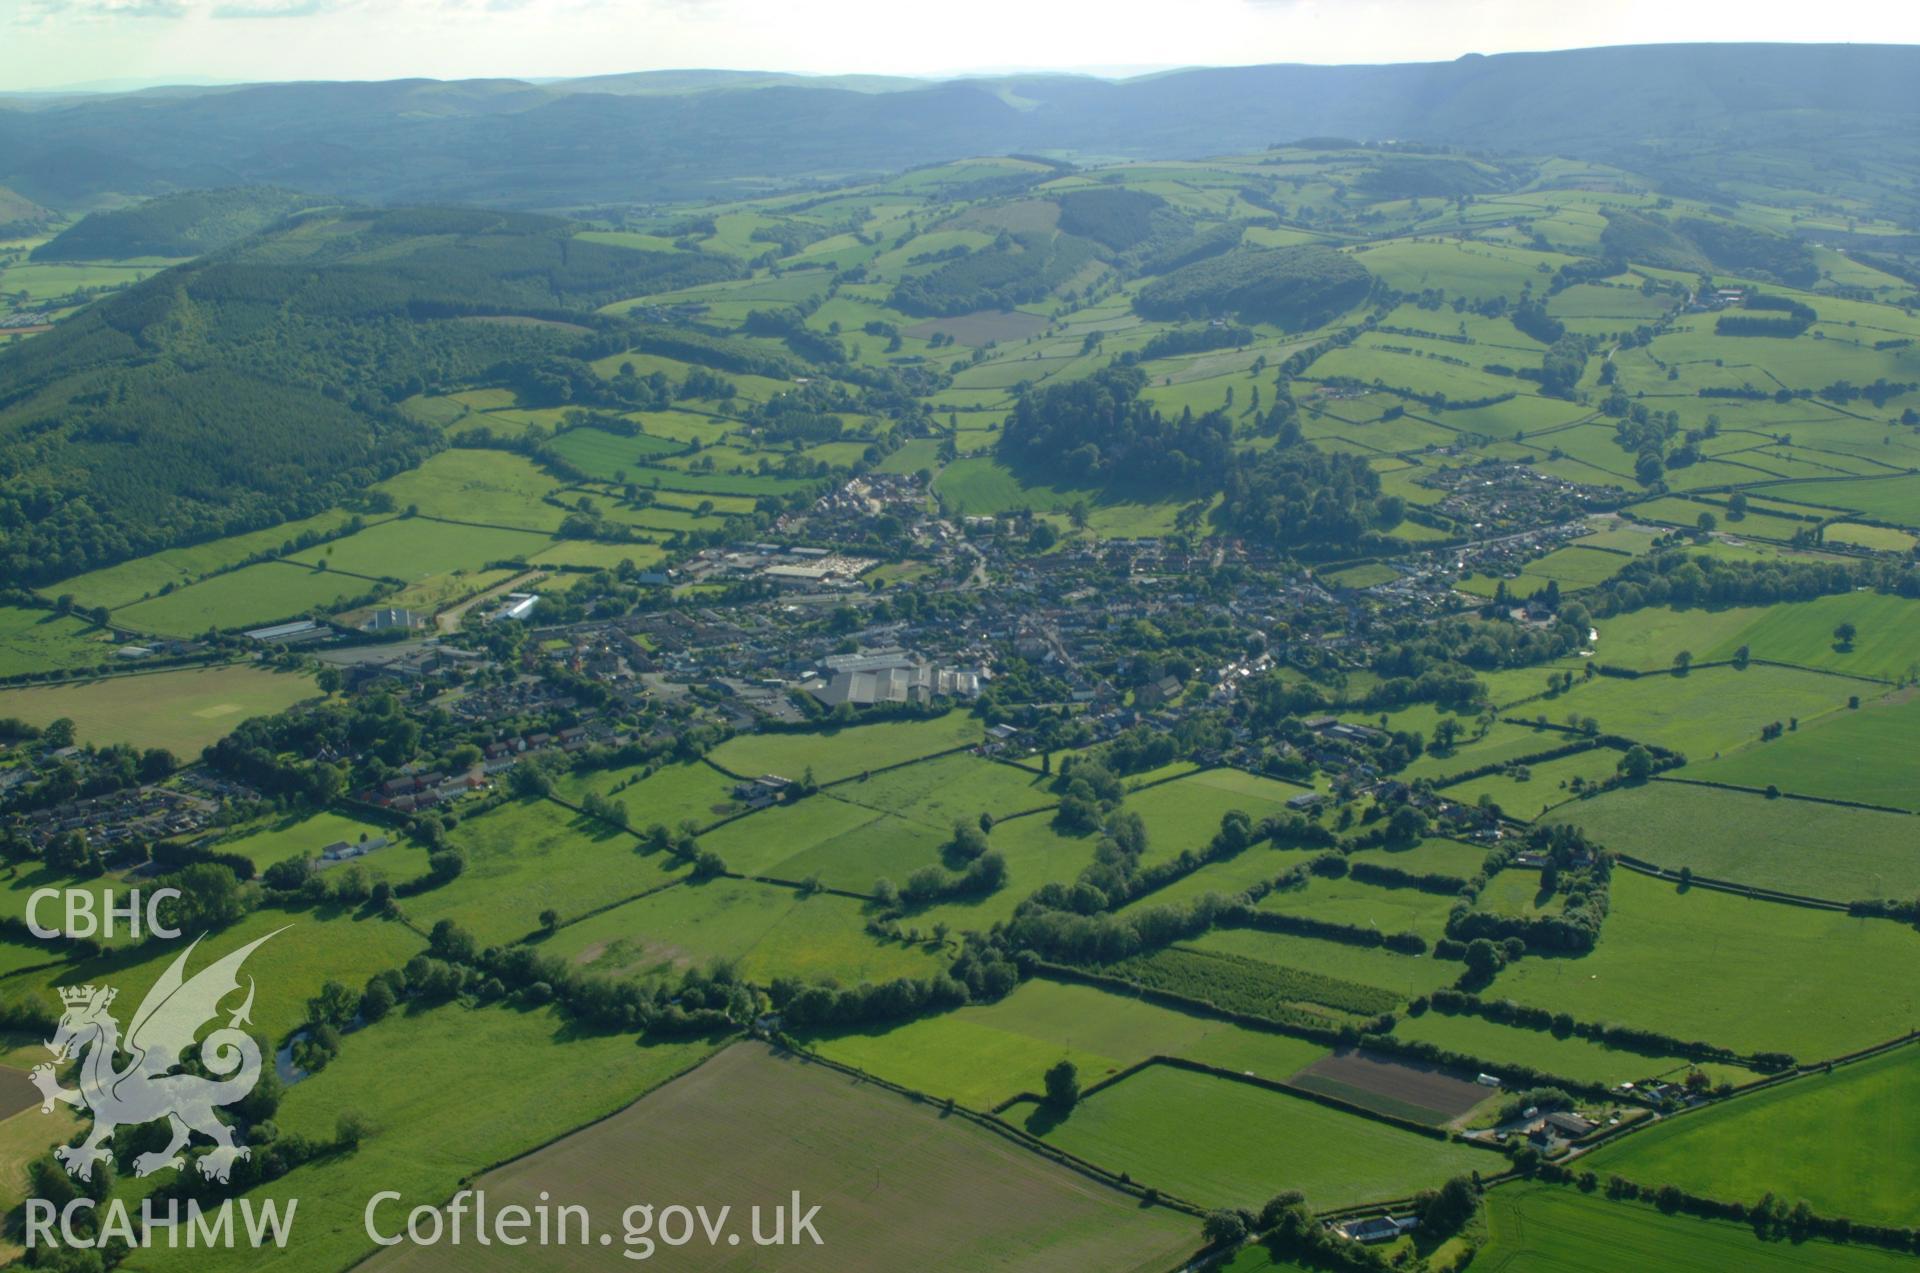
(123, 45)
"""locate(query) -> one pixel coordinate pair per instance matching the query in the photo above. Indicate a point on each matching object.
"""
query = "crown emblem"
(76, 996)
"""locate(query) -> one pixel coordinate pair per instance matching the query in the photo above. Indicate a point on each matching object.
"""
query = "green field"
(121, 585)
(251, 596)
(1256, 865)
(977, 486)
(1575, 1058)
(898, 1185)
(837, 754)
(1783, 978)
(1221, 1143)
(492, 488)
(1704, 712)
(530, 856)
(1404, 975)
(1841, 1140)
(43, 641)
(948, 789)
(413, 548)
(1534, 786)
(315, 946)
(445, 1092)
(1573, 567)
(670, 795)
(989, 1053)
(1795, 846)
(1551, 1229)
(182, 711)
(295, 835)
(1350, 901)
(1185, 813)
(764, 930)
(609, 457)
(1862, 755)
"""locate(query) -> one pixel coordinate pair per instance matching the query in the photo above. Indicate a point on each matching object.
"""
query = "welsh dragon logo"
(147, 1087)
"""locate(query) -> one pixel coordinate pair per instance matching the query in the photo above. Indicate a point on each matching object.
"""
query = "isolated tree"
(1682, 661)
(1845, 634)
(1637, 764)
(1224, 1229)
(1063, 1086)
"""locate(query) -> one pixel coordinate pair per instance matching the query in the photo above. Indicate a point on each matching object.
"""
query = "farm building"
(298, 631)
(519, 606)
(1376, 1228)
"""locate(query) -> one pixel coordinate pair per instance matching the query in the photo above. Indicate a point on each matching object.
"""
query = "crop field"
(182, 710)
(1575, 1058)
(838, 754)
(1863, 756)
(764, 930)
(1255, 985)
(413, 548)
(530, 856)
(1794, 846)
(1782, 978)
(898, 1186)
(44, 641)
(1392, 1086)
(252, 595)
(491, 488)
(1403, 976)
(1257, 1143)
(988, 1053)
(1840, 1140)
(1551, 1229)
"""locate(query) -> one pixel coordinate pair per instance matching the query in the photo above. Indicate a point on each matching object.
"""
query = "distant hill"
(20, 215)
(237, 391)
(1836, 118)
(189, 224)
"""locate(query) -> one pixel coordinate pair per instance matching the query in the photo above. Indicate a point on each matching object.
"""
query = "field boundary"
(467, 1179)
(1729, 886)
(999, 1126)
(1778, 794)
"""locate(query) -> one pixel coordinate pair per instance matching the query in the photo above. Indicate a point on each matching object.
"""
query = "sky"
(120, 43)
